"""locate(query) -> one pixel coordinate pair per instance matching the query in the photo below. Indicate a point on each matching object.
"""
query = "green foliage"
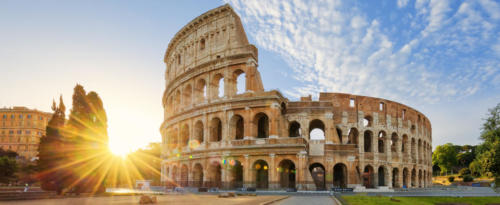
(8, 168)
(445, 157)
(487, 161)
(382, 200)
(451, 178)
(464, 172)
(468, 178)
(475, 168)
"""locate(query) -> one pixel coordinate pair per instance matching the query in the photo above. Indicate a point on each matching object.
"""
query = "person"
(26, 187)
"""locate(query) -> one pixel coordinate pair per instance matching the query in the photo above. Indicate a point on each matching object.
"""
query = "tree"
(445, 157)
(488, 157)
(51, 152)
(8, 168)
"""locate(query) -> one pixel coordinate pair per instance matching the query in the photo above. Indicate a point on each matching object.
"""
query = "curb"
(274, 201)
(336, 200)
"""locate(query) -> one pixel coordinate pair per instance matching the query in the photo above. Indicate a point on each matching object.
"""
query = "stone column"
(273, 182)
(247, 168)
(301, 170)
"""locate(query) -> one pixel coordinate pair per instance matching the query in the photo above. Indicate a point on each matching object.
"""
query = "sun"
(119, 149)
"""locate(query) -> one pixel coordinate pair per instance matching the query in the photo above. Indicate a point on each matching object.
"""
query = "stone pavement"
(185, 199)
(307, 200)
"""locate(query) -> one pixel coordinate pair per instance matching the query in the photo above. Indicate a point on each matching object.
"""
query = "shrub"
(463, 172)
(451, 179)
(468, 178)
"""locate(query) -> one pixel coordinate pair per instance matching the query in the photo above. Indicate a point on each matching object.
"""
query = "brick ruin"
(214, 135)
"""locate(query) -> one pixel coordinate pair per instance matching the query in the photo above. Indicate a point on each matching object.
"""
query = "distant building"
(21, 129)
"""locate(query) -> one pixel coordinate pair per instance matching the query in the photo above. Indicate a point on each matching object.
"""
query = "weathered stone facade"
(215, 136)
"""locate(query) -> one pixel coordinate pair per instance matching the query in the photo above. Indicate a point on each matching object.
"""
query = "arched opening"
(262, 122)
(381, 142)
(368, 141)
(413, 177)
(419, 149)
(240, 77)
(287, 173)
(420, 178)
(184, 176)
(283, 108)
(425, 179)
(167, 174)
(395, 178)
(413, 129)
(198, 175)
(184, 135)
(201, 90)
(215, 173)
(174, 176)
(235, 174)
(219, 85)
(187, 95)
(175, 138)
(237, 127)
(198, 132)
(405, 178)
(394, 141)
(294, 129)
(318, 174)
(413, 148)
(381, 176)
(404, 144)
(340, 175)
(202, 44)
(316, 130)
(368, 121)
(368, 176)
(177, 100)
(215, 130)
(261, 171)
(353, 136)
(339, 134)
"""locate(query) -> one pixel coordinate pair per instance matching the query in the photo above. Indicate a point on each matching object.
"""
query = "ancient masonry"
(215, 135)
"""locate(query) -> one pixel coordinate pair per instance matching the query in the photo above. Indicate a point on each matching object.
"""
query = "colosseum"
(216, 135)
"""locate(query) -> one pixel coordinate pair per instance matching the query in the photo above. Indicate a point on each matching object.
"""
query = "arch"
(198, 175)
(235, 174)
(214, 175)
(177, 100)
(198, 132)
(413, 148)
(215, 130)
(404, 144)
(294, 129)
(184, 176)
(419, 149)
(368, 121)
(184, 135)
(262, 123)
(368, 136)
(201, 90)
(425, 179)
(381, 141)
(318, 174)
(394, 141)
(339, 134)
(202, 44)
(405, 177)
(174, 175)
(353, 136)
(419, 183)
(237, 127)
(261, 174)
(174, 134)
(340, 175)
(395, 178)
(381, 176)
(240, 78)
(219, 85)
(316, 130)
(413, 177)
(368, 177)
(287, 171)
(187, 95)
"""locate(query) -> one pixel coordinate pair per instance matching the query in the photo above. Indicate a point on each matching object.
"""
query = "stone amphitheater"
(216, 135)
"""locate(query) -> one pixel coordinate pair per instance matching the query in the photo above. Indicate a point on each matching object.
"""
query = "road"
(309, 200)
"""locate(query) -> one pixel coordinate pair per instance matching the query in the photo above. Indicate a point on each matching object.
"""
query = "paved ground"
(164, 199)
(307, 200)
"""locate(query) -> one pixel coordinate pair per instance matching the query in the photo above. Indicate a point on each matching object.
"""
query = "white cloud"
(402, 3)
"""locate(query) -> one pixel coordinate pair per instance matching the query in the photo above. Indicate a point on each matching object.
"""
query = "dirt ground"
(186, 199)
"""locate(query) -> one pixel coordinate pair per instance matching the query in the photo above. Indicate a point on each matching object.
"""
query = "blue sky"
(440, 57)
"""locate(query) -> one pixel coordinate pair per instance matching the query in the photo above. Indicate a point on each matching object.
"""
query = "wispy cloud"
(440, 51)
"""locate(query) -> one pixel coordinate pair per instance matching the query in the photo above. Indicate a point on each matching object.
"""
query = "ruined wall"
(215, 135)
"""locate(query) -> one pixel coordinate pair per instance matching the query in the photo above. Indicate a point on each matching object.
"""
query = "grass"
(383, 200)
